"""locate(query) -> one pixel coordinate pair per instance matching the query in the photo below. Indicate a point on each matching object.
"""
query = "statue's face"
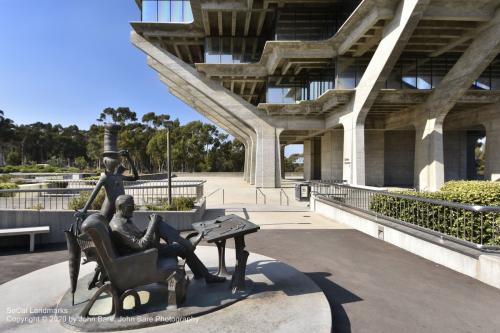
(111, 163)
(127, 209)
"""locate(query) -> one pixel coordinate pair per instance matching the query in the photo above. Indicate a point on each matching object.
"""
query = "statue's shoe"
(214, 279)
(195, 240)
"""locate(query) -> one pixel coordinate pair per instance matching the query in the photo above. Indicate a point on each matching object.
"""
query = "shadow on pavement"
(337, 296)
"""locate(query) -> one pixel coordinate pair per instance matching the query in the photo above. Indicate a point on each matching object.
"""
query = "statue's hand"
(80, 214)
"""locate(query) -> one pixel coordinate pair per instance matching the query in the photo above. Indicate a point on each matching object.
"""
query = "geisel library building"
(379, 92)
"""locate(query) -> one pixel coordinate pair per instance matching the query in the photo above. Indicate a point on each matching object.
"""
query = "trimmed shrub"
(178, 204)
(450, 221)
(7, 186)
(79, 202)
(36, 169)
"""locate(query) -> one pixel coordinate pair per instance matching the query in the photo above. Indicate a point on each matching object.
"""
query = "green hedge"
(79, 202)
(178, 204)
(451, 221)
(7, 186)
(36, 169)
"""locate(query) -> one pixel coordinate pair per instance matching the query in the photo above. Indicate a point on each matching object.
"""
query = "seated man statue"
(128, 238)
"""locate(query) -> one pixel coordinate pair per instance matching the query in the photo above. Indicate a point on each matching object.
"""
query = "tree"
(120, 115)
(6, 135)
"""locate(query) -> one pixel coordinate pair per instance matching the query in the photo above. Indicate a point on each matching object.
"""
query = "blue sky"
(64, 61)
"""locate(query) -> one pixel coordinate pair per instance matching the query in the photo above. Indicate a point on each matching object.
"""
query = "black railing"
(471, 225)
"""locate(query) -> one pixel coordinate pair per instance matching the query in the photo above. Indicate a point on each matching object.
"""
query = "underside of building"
(379, 92)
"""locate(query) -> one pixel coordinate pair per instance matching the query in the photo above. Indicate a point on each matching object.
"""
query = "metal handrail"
(466, 224)
(475, 208)
(286, 196)
(258, 190)
(59, 198)
(217, 190)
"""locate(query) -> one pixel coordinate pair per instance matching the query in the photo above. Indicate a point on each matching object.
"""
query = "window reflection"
(166, 11)
(312, 22)
(287, 89)
(233, 50)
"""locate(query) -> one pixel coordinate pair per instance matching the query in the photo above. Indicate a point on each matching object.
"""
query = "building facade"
(379, 92)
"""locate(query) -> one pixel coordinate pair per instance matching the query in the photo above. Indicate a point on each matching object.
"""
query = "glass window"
(149, 11)
(164, 11)
(212, 50)
(424, 73)
(187, 12)
(176, 11)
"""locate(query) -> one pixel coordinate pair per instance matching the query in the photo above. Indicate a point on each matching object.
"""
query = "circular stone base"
(201, 298)
(282, 300)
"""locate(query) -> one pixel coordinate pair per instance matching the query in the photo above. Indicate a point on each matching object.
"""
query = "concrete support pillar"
(282, 161)
(354, 153)
(308, 160)
(337, 136)
(429, 156)
(246, 169)
(492, 151)
(327, 156)
(374, 157)
(253, 160)
(267, 171)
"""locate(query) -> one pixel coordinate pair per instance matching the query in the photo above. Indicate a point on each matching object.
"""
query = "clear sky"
(64, 61)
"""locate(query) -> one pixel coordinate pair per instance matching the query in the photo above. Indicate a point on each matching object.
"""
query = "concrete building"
(379, 92)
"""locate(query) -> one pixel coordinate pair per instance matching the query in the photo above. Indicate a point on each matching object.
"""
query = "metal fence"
(470, 225)
(59, 195)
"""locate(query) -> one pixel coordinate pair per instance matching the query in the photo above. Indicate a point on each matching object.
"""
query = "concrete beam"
(429, 158)
(394, 38)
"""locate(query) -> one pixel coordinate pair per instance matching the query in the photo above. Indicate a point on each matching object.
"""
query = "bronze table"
(218, 231)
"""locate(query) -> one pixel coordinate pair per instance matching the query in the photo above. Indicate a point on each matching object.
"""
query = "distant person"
(128, 238)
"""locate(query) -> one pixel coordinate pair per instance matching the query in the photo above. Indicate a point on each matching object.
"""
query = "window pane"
(188, 13)
(164, 11)
(149, 11)
(176, 11)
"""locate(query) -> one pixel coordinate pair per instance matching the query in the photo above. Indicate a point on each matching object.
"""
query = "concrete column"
(337, 136)
(327, 156)
(253, 160)
(354, 153)
(308, 160)
(247, 161)
(429, 156)
(282, 161)
(492, 151)
(267, 172)
(374, 157)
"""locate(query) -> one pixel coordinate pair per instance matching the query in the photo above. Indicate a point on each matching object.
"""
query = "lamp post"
(168, 125)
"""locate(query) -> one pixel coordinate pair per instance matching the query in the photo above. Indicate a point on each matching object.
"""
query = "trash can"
(302, 191)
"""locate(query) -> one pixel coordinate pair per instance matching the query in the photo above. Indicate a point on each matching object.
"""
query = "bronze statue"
(128, 239)
(112, 179)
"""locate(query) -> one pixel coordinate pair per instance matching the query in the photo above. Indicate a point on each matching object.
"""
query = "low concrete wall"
(61, 220)
(471, 262)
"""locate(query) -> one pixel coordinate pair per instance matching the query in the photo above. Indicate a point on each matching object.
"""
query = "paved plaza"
(371, 286)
